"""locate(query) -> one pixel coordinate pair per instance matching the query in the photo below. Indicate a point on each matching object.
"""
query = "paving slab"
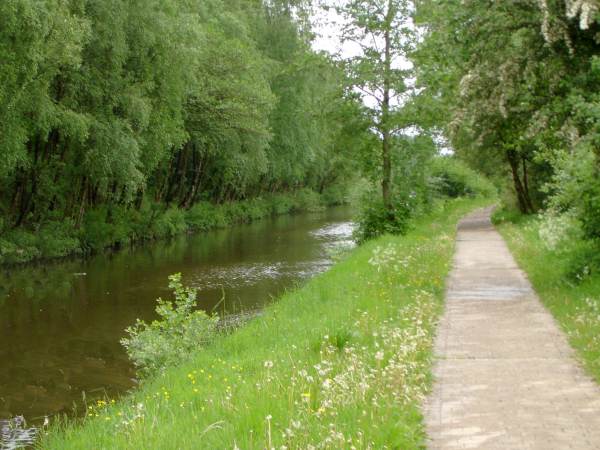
(505, 376)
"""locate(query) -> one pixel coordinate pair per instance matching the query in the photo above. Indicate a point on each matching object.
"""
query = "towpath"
(505, 376)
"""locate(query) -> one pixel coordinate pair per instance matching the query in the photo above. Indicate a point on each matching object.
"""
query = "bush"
(174, 337)
(97, 234)
(453, 178)
(19, 246)
(58, 239)
(590, 210)
(505, 213)
(376, 219)
(335, 195)
(281, 204)
(583, 261)
(307, 200)
(205, 216)
(170, 223)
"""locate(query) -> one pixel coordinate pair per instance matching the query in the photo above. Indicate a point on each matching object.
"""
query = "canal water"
(61, 322)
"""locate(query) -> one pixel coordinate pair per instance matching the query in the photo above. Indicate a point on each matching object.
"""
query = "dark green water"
(60, 323)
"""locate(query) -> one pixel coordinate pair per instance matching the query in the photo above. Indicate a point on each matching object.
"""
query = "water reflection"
(60, 323)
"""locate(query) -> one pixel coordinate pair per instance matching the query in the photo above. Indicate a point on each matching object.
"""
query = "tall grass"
(343, 362)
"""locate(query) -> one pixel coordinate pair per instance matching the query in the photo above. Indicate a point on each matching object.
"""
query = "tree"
(382, 31)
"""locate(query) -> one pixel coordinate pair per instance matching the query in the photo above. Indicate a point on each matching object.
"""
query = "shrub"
(174, 337)
(19, 246)
(505, 213)
(453, 178)
(590, 209)
(169, 223)
(97, 234)
(583, 260)
(58, 239)
(281, 204)
(205, 216)
(335, 195)
(307, 200)
(376, 219)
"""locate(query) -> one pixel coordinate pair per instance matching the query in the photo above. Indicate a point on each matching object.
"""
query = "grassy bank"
(117, 227)
(340, 363)
(575, 304)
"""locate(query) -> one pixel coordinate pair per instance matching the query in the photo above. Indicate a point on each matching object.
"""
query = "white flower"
(268, 364)
(379, 356)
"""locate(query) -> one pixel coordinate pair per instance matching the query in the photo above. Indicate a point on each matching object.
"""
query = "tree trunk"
(386, 153)
(198, 170)
(526, 186)
(513, 161)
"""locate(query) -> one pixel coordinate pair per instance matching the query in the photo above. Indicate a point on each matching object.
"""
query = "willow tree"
(382, 32)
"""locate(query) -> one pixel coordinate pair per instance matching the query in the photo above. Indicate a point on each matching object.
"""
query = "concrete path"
(505, 376)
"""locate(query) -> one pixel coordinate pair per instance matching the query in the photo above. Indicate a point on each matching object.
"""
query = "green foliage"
(115, 115)
(377, 219)
(169, 223)
(105, 227)
(452, 178)
(514, 106)
(50, 240)
(521, 106)
(204, 216)
(263, 377)
(307, 200)
(503, 214)
(282, 204)
(56, 239)
(18, 246)
(384, 33)
(174, 337)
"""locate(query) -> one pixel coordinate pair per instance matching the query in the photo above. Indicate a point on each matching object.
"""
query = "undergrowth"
(115, 227)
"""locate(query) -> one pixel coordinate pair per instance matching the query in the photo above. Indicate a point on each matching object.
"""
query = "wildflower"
(268, 364)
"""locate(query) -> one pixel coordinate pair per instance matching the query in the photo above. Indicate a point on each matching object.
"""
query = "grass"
(575, 305)
(343, 362)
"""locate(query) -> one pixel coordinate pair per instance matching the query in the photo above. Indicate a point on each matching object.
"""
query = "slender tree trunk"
(526, 185)
(198, 169)
(386, 153)
(513, 161)
(84, 196)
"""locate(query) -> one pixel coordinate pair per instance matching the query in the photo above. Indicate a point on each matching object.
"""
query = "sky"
(328, 26)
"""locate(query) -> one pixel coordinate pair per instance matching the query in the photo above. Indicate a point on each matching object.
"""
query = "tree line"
(110, 106)
(516, 88)
(111, 101)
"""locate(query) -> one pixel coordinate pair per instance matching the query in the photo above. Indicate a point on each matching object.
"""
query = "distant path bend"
(505, 377)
